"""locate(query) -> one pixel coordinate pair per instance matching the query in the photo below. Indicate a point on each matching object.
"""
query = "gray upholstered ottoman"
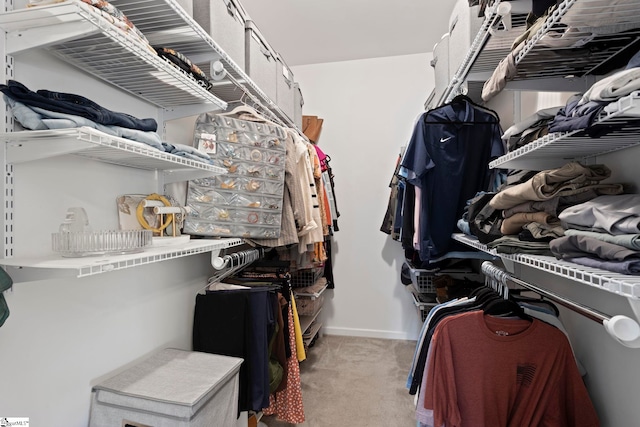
(172, 388)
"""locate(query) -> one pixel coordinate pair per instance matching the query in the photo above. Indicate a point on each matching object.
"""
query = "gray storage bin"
(464, 25)
(298, 103)
(260, 61)
(224, 20)
(187, 5)
(285, 88)
(172, 388)
(440, 64)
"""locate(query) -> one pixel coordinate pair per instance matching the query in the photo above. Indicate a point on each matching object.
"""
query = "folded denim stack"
(46, 109)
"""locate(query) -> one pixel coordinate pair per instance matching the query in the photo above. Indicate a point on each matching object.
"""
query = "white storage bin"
(298, 103)
(285, 88)
(172, 388)
(260, 61)
(464, 25)
(224, 20)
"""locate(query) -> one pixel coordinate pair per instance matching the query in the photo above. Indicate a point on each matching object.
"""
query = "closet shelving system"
(79, 35)
(535, 67)
(25, 146)
(537, 70)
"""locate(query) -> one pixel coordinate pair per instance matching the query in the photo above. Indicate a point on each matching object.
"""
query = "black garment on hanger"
(447, 158)
(236, 323)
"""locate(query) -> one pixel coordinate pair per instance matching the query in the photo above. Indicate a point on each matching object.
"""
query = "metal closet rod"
(622, 328)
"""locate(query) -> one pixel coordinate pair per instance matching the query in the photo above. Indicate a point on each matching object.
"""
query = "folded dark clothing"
(69, 103)
(513, 245)
(185, 64)
(576, 117)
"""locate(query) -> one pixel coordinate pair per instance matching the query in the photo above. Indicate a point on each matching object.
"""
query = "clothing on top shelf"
(182, 62)
(73, 104)
(37, 118)
(447, 163)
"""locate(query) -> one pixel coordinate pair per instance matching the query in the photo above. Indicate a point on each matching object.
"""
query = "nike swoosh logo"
(445, 139)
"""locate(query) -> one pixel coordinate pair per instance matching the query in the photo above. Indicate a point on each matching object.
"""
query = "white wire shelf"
(165, 22)
(536, 61)
(78, 34)
(54, 266)
(314, 330)
(306, 321)
(625, 285)
(25, 146)
(556, 149)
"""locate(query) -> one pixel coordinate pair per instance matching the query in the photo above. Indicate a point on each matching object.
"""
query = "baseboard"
(367, 333)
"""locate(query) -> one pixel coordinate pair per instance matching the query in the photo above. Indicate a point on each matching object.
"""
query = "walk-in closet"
(246, 213)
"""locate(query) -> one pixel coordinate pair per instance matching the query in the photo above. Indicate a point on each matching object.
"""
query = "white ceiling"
(315, 31)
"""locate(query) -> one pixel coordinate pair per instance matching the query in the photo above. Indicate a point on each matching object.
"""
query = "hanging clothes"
(287, 405)
(242, 323)
(447, 159)
(528, 366)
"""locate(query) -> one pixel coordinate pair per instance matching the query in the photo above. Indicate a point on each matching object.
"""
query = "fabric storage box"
(440, 64)
(260, 61)
(464, 25)
(298, 103)
(172, 388)
(224, 20)
(247, 201)
(285, 88)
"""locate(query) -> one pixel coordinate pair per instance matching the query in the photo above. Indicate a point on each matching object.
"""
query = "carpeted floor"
(355, 382)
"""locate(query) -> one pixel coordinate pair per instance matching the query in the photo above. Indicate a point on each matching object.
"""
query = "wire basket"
(309, 306)
(81, 244)
(424, 303)
(306, 277)
(423, 280)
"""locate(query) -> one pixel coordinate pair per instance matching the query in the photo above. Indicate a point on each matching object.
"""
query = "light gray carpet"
(355, 382)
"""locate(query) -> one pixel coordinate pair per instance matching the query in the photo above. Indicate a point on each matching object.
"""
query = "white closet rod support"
(622, 328)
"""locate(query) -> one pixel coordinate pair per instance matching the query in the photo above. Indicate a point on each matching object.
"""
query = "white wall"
(369, 108)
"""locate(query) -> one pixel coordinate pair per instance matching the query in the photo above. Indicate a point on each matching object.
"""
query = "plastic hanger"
(244, 108)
